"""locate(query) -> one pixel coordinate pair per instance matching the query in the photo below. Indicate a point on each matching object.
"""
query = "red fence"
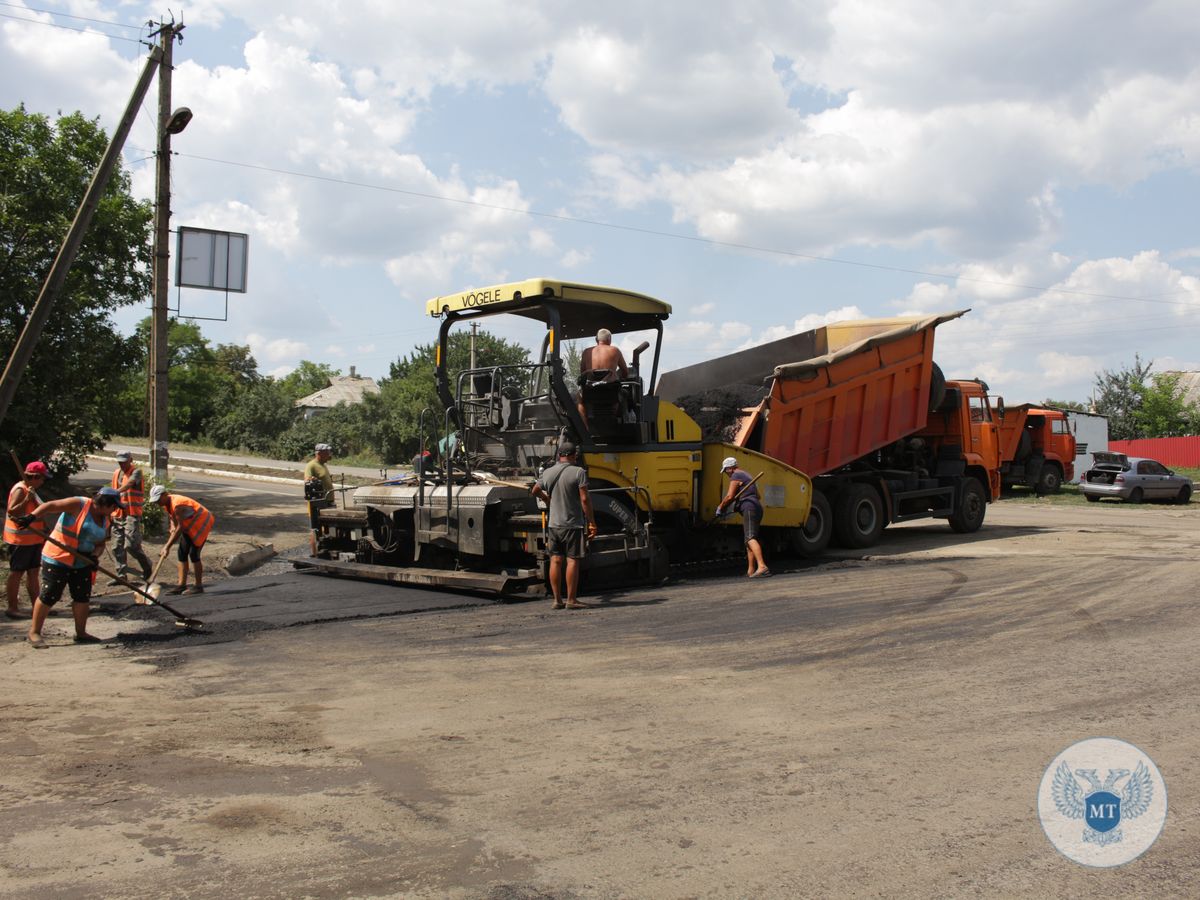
(1171, 451)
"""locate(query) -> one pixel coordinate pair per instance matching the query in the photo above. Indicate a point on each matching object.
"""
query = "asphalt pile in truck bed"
(719, 411)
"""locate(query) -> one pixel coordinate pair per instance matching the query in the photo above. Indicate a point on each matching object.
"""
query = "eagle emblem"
(1099, 804)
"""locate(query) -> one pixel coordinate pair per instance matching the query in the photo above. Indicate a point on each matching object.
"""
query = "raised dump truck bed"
(861, 407)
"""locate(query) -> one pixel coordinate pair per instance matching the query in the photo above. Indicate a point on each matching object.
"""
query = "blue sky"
(1037, 162)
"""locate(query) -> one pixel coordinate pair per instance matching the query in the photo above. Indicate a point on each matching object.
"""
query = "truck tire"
(858, 517)
(937, 388)
(1049, 481)
(814, 537)
(972, 506)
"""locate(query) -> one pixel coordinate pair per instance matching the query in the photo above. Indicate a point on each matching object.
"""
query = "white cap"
(324, 447)
(156, 493)
(730, 463)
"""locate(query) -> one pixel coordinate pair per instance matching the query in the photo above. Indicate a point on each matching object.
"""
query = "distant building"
(1189, 385)
(348, 389)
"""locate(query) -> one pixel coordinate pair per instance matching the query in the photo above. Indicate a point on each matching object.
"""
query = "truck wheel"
(972, 506)
(813, 538)
(858, 517)
(1049, 481)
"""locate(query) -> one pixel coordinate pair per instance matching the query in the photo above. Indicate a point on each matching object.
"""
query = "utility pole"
(168, 123)
(57, 276)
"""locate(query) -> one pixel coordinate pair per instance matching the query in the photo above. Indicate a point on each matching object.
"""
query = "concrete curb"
(241, 563)
(227, 473)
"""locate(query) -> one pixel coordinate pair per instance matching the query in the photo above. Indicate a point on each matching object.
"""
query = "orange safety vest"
(13, 533)
(66, 531)
(133, 497)
(198, 525)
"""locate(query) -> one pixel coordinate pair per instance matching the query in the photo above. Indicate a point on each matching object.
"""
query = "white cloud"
(804, 323)
(275, 350)
(572, 259)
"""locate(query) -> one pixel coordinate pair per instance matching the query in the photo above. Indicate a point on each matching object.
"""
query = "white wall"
(1091, 435)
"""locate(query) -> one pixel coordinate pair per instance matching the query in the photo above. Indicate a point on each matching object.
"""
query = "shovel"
(152, 589)
(183, 621)
(736, 498)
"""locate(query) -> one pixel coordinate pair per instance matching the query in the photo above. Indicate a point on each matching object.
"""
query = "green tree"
(1119, 394)
(343, 427)
(236, 363)
(308, 378)
(1164, 411)
(255, 419)
(70, 397)
(392, 418)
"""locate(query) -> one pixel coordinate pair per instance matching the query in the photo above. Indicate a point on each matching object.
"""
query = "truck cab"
(1037, 447)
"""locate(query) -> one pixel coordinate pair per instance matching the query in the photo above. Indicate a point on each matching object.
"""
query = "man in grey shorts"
(564, 487)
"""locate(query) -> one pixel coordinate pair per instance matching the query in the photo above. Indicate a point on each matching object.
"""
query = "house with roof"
(349, 389)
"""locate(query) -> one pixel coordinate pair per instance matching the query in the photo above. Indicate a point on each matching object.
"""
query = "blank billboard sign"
(211, 260)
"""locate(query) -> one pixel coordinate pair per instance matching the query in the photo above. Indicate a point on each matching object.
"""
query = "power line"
(733, 245)
(113, 37)
(63, 15)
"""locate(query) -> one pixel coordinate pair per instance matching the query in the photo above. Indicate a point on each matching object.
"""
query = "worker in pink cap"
(24, 546)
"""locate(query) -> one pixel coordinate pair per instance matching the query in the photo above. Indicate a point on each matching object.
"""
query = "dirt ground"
(871, 727)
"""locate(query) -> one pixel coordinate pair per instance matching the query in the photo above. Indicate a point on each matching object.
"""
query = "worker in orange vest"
(69, 559)
(127, 521)
(25, 547)
(191, 524)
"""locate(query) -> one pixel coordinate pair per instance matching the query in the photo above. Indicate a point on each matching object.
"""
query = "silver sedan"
(1134, 479)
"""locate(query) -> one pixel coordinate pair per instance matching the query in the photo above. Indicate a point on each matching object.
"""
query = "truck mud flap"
(512, 583)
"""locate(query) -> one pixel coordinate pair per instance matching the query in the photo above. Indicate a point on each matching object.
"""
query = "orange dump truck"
(862, 409)
(1037, 448)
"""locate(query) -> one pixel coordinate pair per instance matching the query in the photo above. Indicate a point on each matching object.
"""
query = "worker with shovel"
(191, 523)
(742, 497)
(127, 521)
(69, 557)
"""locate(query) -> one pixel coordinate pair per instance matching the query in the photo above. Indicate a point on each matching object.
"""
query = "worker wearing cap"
(24, 546)
(191, 524)
(743, 497)
(319, 490)
(564, 488)
(127, 521)
(69, 558)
